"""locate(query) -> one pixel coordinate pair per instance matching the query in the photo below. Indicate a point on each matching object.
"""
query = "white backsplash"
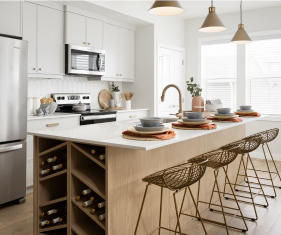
(38, 87)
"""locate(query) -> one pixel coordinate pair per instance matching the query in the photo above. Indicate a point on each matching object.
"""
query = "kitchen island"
(117, 178)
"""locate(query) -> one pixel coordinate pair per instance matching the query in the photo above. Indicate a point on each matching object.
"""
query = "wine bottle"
(57, 220)
(44, 223)
(93, 151)
(101, 205)
(52, 211)
(45, 171)
(57, 167)
(101, 157)
(52, 159)
(86, 191)
(101, 217)
(89, 202)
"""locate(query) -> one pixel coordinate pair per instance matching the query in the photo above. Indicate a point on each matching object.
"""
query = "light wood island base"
(117, 180)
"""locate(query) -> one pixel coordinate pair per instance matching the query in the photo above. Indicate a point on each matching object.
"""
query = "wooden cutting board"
(104, 98)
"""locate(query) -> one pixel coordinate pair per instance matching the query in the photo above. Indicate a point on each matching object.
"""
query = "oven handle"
(10, 148)
(97, 117)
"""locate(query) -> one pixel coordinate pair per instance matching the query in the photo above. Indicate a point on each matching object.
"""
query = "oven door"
(95, 119)
(84, 61)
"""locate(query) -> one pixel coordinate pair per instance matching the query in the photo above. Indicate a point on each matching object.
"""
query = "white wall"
(257, 23)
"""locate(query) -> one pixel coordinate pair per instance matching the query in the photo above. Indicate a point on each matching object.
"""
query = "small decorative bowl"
(245, 107)
(194, 115)
(224, 110)
(151, 121)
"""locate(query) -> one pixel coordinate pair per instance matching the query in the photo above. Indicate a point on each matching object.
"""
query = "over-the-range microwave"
(87, 61)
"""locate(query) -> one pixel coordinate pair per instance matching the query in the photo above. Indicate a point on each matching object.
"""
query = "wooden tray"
(196, 123)
(224, 117)
(132, 129)
(104, 98)
(139, 138)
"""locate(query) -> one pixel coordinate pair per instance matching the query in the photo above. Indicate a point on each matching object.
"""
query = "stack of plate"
(195, 122)
(224, 113)
(245, 109)
(152, 125)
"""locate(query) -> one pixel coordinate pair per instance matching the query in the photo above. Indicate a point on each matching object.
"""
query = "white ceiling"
(192, 9)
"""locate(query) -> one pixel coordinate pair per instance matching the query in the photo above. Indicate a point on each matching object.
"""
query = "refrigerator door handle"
(10, 148)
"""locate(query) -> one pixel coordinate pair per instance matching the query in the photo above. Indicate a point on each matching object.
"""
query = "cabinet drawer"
(53, 123)
(131, 115)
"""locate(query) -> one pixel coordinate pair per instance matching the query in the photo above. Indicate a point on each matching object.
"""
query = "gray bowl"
(151, 121)
(245, 107)
(194, 115)
(224, 110)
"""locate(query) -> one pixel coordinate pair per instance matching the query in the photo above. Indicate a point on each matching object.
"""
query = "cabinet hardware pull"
(33, 68)
(40, 69)
(89, 43)
(52, 124)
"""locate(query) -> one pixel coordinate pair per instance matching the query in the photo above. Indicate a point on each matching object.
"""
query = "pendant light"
(212, 23)
(241, 36)
(166, 8)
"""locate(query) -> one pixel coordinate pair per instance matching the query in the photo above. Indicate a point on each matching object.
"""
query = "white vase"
(117, 99)
(128, 104)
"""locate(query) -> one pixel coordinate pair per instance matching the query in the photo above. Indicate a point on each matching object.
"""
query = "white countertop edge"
(55, 115)
(118, 141)
(130, 110)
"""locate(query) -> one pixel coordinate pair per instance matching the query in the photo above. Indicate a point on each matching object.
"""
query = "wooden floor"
(17, 219)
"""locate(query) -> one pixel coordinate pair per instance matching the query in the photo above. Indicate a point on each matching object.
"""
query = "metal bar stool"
(217, 160)
(244, 147)
(266, 137)
(174, 179)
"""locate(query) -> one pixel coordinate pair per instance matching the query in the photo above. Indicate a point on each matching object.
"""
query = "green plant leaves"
(193, 88)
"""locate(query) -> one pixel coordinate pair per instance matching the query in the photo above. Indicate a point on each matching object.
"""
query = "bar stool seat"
(174, 179)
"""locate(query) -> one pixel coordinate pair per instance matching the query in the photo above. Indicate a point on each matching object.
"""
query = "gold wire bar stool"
(266, 137)
(174, 179)
(244, 147)
(217, 160)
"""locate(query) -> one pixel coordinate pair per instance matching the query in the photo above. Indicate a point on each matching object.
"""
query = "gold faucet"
(179, 114)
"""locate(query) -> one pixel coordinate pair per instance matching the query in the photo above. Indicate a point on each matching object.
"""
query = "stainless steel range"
(67, 101)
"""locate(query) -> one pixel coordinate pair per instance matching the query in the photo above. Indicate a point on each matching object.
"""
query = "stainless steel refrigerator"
(13, 119)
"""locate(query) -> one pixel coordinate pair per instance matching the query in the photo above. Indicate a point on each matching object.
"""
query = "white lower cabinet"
(44, 124)
(131, 114)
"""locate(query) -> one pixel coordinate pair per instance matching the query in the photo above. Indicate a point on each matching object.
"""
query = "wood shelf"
(85, 178)
(52, 149)
(53, 202)
(51, 228)
(87, 212)
(89, 156)
(53, 175)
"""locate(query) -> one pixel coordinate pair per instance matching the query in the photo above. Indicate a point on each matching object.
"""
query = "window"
(219, 72)
(263, 73)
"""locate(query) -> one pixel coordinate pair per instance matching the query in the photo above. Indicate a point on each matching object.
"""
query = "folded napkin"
(236, 119)
(207, 126)
(163, 136)
(253, 114)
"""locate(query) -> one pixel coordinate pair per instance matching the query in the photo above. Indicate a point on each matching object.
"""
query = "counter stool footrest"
(247, 202)
(245, 186)
(259, 194)
(268, 185)
(271, 172)
(249, 176)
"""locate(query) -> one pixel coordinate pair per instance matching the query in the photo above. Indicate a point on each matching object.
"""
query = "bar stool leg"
(211, 198)
(238, 171)
(258, 179)
(142, 204)
(277, 172)
(160, 213)
(270, 176)
(198, 193)
(177, 213)
(222, 208)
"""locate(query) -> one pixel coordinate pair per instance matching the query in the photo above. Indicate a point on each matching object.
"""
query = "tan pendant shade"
(241, 36)
(166, 8)
(212, 22)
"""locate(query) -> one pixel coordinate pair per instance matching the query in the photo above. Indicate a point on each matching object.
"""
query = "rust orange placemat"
(236, 119)
(164, 136)
(253, 114)
(207, 126)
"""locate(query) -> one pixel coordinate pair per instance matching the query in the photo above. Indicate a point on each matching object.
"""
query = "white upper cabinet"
(50, 48)
(43, 29)
(119, 45)
(10, 18)
(75, 29)
(94, 33)
(83, 31)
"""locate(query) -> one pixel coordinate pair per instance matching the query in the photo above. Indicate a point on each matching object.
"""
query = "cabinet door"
(94, 33)
(50, 48)
(10, 17)
(111, 46)
(30, 34)
(75, 29)
(127, 54)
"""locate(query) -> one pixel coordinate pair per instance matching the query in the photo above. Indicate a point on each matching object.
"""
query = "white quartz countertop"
(55, 115)
(110, 134)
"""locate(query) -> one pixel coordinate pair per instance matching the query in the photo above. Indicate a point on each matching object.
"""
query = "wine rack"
(83, 167)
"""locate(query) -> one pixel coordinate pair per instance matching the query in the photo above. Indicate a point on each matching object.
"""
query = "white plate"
(226, 114)
(196, 123)
(141, 128)
(133, 129)
(245, 111)
(185, 119)
(225, 117)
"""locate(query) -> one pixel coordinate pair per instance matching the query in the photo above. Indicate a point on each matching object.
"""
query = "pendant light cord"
(241, 16)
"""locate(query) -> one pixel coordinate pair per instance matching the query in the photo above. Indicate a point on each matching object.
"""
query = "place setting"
(225, 115)
(194, 121)
(247, 111)
(151, 128)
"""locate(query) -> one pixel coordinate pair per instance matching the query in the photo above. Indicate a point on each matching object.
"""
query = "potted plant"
(116, 95)
(197, 100)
